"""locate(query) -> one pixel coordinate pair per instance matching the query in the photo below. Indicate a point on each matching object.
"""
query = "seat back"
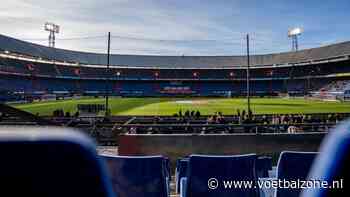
(201, 168)
(293, 166)
(137, 175)
(263, 165)
(332, 164)
(50, 162)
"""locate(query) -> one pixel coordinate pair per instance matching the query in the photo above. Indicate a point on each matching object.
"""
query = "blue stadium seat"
(263, 165)
(50, 162)
(332, 164)
(138, 176)
(293, 166)
(181, 171)
(201, 168)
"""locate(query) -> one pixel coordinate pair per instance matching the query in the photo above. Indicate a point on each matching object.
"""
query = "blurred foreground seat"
(138, 176)
(205, 176)
(50, 162)
(332, 164)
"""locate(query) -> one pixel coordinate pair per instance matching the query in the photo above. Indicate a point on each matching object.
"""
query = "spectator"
(210, 120)
(192, 113)
(180, 113)
(238, 113)
(187, 113)
(198, 114)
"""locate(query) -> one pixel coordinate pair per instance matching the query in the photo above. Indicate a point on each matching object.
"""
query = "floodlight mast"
(53, 29)
(293, 34)
(248, 77)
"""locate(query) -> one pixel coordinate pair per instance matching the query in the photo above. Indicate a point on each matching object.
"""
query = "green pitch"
(169, 106)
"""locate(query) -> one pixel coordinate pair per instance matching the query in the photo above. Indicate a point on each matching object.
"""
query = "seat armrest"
(177, 182)
(167, 183)
(273, 173)
(183, 186)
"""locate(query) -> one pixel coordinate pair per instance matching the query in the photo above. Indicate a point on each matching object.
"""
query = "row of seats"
(291, 166)
(151, 88)
(54, 162)
(262, 167)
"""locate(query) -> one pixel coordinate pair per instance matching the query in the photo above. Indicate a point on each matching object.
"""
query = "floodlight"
(295, 32)
(52, 28)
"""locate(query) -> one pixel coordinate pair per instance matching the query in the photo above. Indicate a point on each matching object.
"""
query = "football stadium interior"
(172, 125)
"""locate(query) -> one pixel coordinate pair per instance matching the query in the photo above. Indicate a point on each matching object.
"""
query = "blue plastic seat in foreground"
(138, 176)
(332, 164)
(181, 170)
(50, 162)
(201, 168)
(263, 165)
(293, 166)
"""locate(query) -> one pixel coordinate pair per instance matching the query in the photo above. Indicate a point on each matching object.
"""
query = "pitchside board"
(179, 145)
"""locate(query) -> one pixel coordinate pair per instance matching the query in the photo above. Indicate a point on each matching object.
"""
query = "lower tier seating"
(36, 162)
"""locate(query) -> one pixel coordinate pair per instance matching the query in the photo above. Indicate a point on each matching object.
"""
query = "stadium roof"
(339, 50)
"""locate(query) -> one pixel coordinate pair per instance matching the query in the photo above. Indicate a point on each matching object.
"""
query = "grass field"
(169, 106)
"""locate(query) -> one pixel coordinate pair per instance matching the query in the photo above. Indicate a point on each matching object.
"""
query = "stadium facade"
(28, 69)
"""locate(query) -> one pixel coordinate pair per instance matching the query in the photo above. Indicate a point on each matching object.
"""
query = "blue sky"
(178, 27)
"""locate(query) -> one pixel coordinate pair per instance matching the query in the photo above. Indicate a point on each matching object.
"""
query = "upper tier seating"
(49, 162)
(201, 168)
(34, 68)
(138, 176)
(30, 49)
(332, 164)
(293, 166)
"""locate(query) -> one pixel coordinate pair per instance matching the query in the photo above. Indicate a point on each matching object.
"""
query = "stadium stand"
(47, 173)
(139, 176)
(32, 69)
(337, 86)
(56, 163)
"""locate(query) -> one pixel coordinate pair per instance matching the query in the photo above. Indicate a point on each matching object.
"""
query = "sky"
(178, 27)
